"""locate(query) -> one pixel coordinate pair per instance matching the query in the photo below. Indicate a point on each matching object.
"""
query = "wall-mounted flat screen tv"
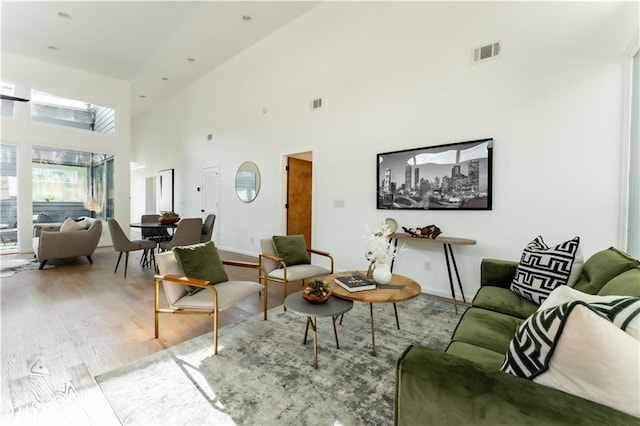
(455, 176)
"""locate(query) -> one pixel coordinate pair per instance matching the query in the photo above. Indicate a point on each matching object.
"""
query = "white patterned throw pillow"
(584, 349)
(543, 268)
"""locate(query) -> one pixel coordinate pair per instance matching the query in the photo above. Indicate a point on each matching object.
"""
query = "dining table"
(155, 227)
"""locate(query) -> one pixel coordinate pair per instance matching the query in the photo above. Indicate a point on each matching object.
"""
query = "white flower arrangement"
(379, 247)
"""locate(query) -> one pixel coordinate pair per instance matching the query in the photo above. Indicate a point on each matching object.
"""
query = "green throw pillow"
(291, 248)
(201, 261)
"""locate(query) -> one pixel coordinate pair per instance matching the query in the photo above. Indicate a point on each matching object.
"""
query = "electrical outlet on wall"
(427, 265)
(253, 240)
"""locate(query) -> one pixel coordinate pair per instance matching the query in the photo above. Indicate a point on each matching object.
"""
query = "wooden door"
(299, 173)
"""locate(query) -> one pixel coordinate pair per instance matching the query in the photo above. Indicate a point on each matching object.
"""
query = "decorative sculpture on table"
(425, 232)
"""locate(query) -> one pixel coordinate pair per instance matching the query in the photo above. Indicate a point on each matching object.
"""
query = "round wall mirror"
(248, 181)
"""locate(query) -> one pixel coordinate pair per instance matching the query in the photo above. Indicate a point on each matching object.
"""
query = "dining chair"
(122, 244)
(187, 233)
(181, 288)
(207, 228)
(286, 258)
(155, 234)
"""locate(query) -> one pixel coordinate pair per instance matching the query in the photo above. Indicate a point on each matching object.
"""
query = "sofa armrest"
(443, 389)
(497, 273)
(50, 227)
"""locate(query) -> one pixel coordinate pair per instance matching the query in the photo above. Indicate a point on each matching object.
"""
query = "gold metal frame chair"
(278, 271)
(223, 295)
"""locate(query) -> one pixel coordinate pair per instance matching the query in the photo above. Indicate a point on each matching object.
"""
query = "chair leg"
(44, 262)
(215, 332)
(285, 294)
(117, 263)
(90, 259)
(156, 306)
(126, 263)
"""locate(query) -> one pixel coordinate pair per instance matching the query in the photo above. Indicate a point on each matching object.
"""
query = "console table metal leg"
(453, 291)
(455, 268)
(373, 333)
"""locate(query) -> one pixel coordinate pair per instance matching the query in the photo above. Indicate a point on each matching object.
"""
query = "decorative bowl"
(315, 299)
(167, 220)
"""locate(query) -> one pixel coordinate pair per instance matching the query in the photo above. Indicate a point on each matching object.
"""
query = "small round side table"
(334, 307)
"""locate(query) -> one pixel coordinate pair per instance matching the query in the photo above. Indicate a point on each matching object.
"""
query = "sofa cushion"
(625, 284)
(71, 225)
(486, 329)
(543, 268)
(201, 261)
(505, 301)
(435, 388)
(574, 348)
(602, 267)
(292, 249)
(485, 357)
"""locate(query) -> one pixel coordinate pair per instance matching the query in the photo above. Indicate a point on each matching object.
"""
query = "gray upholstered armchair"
(50, 242)
(286, 258)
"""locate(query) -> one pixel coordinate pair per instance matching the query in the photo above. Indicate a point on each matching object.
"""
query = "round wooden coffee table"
(400, 289)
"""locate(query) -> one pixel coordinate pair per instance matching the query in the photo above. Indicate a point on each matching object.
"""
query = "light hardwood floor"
(63, 326)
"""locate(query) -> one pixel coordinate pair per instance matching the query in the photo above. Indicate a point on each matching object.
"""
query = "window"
(8, 198)
(72, 113)
(7, 106)
(69, 183)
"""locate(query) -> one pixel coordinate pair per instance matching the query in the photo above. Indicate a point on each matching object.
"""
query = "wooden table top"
(410, 290)
(440, 239)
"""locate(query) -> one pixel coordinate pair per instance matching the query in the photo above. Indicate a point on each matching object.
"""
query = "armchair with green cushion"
(286, 258)
(464, 384)
(195, 283)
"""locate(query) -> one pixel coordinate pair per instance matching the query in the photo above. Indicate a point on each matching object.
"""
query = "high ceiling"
(157, 46)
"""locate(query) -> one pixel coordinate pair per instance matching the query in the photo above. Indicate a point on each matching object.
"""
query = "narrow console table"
(446, 242)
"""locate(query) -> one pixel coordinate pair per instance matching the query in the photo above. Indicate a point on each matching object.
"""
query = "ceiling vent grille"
(484, 53)
(316, 103)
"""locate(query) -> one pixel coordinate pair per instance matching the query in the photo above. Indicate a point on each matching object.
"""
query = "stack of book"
(355, 282)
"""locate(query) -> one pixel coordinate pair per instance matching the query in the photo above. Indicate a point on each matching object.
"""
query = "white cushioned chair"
(279, 271)
(209, 301)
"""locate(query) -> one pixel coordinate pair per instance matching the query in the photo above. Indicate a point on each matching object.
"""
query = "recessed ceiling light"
(246, 18)
(165, 78)
(64, 15)
(191, 59)
(50, 47)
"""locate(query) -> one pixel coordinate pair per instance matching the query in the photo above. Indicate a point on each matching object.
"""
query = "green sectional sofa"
(464, 384)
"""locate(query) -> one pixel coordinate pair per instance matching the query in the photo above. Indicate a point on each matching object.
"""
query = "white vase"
(382, 274)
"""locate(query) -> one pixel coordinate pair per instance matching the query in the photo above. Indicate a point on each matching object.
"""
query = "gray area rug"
(263, 374)
(9, 267)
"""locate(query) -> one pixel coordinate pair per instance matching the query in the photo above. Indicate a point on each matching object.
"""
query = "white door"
(211, 198)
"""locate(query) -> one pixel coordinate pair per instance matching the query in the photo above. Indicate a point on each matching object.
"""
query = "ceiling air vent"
(316, 103)
(490, 51)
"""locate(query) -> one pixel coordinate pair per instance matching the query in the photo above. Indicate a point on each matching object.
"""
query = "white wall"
(26, 74)
(397, 76)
